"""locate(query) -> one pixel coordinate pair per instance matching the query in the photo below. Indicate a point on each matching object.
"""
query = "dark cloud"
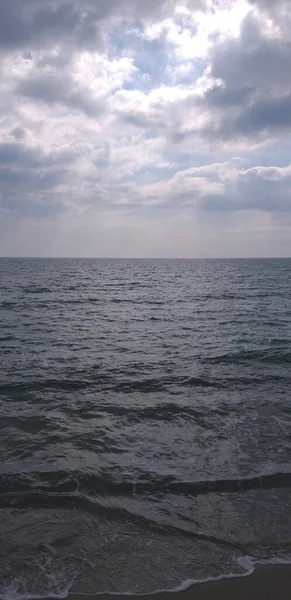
(251, 99)
(29, 175)
(261, 67)
(13, 25)
(77, 23)
(18, 133)
(36, 24)
(17, 154)
(22, 156)
(252, 59)
(139, 9)
(59, 89)
(153, 118)
(136, 119)
(265, 115)
(220, 97)
(264, 189)
(260, 121)
(271, 6)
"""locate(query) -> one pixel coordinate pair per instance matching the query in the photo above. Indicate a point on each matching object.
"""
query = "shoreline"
(267, 582)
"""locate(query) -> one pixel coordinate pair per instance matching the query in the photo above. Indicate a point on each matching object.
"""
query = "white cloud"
(192, 33)
(223, 187)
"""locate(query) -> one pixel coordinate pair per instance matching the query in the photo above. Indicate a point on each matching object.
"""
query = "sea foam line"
(246, 562)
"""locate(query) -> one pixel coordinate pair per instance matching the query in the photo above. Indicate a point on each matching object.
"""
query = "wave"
(248, 565)
(267, 356)
(111, 381)
(138, 302)
(79, 501)
(36, 290)
(58, 486)
(72, 495)
(8, 338)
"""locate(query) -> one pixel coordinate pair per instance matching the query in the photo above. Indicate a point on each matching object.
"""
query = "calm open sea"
(145, 435)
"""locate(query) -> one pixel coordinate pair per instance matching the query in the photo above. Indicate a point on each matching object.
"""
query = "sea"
(145, 423)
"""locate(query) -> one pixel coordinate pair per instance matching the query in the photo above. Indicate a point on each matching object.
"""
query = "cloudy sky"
(145, 128)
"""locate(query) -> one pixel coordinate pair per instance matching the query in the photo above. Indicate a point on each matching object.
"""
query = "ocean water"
(145, 413)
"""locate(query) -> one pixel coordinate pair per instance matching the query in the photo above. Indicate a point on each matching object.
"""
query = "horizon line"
(145, 257)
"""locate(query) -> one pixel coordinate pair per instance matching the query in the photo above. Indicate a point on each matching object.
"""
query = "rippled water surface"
(145, 421)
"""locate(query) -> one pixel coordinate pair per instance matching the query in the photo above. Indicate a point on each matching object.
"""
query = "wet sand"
(267, 583)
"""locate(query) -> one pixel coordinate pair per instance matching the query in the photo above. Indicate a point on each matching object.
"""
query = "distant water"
(145, 432)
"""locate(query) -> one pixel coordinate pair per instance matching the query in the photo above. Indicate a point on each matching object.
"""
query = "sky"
(145, 128)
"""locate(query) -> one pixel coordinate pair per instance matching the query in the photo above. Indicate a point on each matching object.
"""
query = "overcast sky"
(144, 128)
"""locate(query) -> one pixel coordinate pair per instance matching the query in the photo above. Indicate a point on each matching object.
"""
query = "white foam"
(248, 563)
(11, 593)
(283, 560)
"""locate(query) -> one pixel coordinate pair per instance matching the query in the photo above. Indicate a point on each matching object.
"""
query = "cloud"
(33, 24)
(243, 97)
(224, 187)
(30, 179)
(54, 89)
(220, 97)
(123, 116)
(257, 59)
(253, 70)
(258, 188)
(76, 23)
(273, 8)
(265, 115)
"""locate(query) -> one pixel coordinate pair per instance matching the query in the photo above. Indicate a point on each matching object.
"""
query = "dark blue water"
(145, 422)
